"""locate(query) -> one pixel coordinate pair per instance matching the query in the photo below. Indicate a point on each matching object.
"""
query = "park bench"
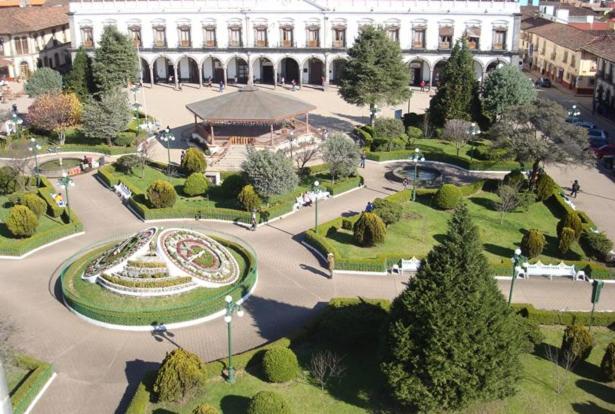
(407, 265)
(122, 191)
(558, 270)
(321, 195)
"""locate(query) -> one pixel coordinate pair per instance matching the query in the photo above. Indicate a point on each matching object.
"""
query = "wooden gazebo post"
(211, 133)
(307, 122)
(271, 134)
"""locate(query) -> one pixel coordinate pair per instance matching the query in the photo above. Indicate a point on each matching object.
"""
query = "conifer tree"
(456, 89)
(451, 338)
(116, 63)
(80, 79)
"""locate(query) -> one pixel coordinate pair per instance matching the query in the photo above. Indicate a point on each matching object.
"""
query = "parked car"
(597, 133)
(585, 124)
(597, 142)
(543, 82)
(605, 151)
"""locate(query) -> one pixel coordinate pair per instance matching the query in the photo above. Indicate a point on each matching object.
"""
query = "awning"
(473, 31)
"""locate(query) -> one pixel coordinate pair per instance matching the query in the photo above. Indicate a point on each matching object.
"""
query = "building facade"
(33, 37)
(604, 90)
(305, 41)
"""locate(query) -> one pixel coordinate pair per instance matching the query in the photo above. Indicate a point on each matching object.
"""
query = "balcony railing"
(498, 46)
(136, 43)
(287, 43)
(312, 43)
(418, 45)
(260, 43)
(235, 43)
(444, 45)
(160, 44)
(209, 43)
(184, 43)
(339, 44)
(88, 43)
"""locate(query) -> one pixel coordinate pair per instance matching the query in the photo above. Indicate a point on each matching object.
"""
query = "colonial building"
(604, 91)
(33, 37)
(270, 41)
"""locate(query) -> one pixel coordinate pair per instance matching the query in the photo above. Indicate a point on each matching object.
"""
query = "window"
(473, 36)
(339, 37)
(87, 37)
(260, 37)
(160, 36)
(209, 37)
(184, 36)
(573, 60)
(393, 34)
(135, 35)
(234, 37)
(286, 36)
(446, 37)
(1, 47)
(418, 38)
(21, 46)
(313, 37)
(565, 58)
(499, 39)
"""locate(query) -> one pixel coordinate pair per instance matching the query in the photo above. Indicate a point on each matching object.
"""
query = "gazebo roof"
(249, 105)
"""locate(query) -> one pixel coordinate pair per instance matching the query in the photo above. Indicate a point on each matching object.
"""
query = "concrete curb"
(40, 393)
(23, 256)
(504, 172)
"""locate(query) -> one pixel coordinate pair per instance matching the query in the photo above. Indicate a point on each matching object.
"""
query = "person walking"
(422, 85)
(253, 221)
(363, 157)
(575, 189)
(405, 183)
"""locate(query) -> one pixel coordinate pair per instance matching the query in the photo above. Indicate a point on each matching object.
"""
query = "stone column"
(200, 75)
(151, 75)
(175, 74)
(250, 71)
(326, 83)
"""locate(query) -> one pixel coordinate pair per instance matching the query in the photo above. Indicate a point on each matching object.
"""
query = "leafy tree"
(268, 402)
(388, 128)
(596, 245)
(35, 203)
(270, 173)
(341, 154)
(566, 239)
(248, 198)
(375, 73)
(577, 343)
(127, 163)
(232, 185)
(456, 89)
(195, 184)
(572, 220)
(533, 243)
(80, 79)
(369, 230)
(280, 364)
(388, 211)
(44, 81)
(21, 221)
(607, 366)
(504, 88)
(116, 63)
(8, 179)
(413, 133)
(458, 132)
(194, 161)
(105, 118)
(55, 113)
(515, 178)
(180, 372)
(161, 194)
(447, 197)
(469, 342)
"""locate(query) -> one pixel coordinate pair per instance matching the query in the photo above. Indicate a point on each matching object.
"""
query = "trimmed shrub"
(413, 134)
(161, 194)
(388, 211)
(126, 163)
(447, 197)
(36, 204)
(248, 198)
(180, 372)
(577, 343)
(280, 365)
(369, 230)
(532, 243)
(331, 231)
(607, 366)
(531, 330)
(388, 128)
(268, 402)
(21, 221)
(346, 224)
(545, 187)
(124, 139)
(195, 184)
(8, 179)
(360, 319)
(571, 220)
(596, 245)
(205, 409)
(515, 179)
(194, 161)
(232, 185)
(566, 239)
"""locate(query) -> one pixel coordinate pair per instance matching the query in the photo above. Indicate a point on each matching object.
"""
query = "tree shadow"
(498, 250)
(342, 237)
(582, 368)
(234, 404)
(552, 249)
(332, 123)
(440, 238)
(604, 392)
(136, 371)
(589, 407)
(349, 213)
(484, 202)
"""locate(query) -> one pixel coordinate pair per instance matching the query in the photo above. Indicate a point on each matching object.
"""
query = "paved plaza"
(98, 369)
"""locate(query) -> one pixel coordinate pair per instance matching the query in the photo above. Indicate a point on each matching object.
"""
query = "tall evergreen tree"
(504, 88)
(375, 73)
(451, 338)
(80, 79)
(116, 63)
(105, 118)
(456, 89)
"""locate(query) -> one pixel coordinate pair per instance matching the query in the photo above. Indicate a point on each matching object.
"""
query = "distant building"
(33, 36)
(604, 91)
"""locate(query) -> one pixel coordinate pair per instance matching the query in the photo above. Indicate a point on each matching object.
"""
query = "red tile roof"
(564, 35)
(603, 47)
(591, 26)
(30, 19)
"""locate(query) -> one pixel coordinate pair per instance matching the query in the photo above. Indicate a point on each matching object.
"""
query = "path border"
(44, 246)
(40, 393)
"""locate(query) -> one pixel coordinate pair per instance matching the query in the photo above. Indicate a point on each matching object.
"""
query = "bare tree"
(19, 159)
(509, 199)
(562, 366)
(143, 149)
(307, 154)
(324, 366)
(457, 131)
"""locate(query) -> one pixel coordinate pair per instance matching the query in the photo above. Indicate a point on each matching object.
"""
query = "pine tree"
(451, 338)
(456, 89)
(116, 63)
(80, 79)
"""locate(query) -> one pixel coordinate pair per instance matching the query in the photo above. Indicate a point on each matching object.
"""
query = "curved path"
(98, 369)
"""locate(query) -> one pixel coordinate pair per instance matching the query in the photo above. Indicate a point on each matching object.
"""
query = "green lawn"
(15, 375)
(54, 165)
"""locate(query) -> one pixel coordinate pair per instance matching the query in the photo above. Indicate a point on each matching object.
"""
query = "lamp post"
(167, 137)
(136, 107)
(35, 148)
(416, 158)
(517, 260)
(473, 130)
(316, 190)
(291, 139)
(574, 112)
(5, 398)
(231, 308)
(66, 182)
(17, 121)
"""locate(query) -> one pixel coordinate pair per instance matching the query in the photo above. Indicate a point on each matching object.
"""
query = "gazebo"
(250, 116)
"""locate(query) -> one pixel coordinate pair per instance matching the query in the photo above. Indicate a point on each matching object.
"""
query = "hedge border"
(549, 317)
(27, 391)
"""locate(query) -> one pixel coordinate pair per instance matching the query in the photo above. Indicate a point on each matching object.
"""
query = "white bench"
(122, 191)
(558, 270)
(407, 265)
(322, 195)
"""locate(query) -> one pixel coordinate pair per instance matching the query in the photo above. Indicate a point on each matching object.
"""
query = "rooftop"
(15, 20)
(604, 48)
(564, 35)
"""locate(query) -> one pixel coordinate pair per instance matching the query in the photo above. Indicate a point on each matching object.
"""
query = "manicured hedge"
(146, 283)
(594, 270)
(45, 190)
(140, 401)
(27, 391)
(431, 155)
(344, 185)
(548, 317)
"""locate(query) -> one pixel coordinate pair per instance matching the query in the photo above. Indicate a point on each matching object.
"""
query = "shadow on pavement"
(135, 372)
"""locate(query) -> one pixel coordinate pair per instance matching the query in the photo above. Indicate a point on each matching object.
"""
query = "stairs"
(232, 159)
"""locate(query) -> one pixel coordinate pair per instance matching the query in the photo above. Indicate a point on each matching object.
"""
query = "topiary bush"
(248, 198)
(369, 230)
(35, 203)
(280, 364)
(180, 372)
(124, 139)
(127, 163)
(196, 184)
(388, 211)
(268, 402)
(607, 366)
(361, 322)
(194, 161)
(205, 409)
(545, 187)
(577, 343)
(515, 179)
(161, 194)
(447, 197)
(572, 220)
(531, 331)
(8, 179)
(21, 221)
(347, 224)
(533, 243)
(596, 245)
(232, 185)
(566, 239)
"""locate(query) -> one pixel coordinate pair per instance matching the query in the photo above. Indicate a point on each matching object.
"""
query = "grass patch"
(54, 165)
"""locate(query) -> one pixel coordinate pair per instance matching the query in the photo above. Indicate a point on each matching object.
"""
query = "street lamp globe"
(240, 313)
(316, 183)
(228, 319)
(228, 298)
(416, 150)
(518, 251)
